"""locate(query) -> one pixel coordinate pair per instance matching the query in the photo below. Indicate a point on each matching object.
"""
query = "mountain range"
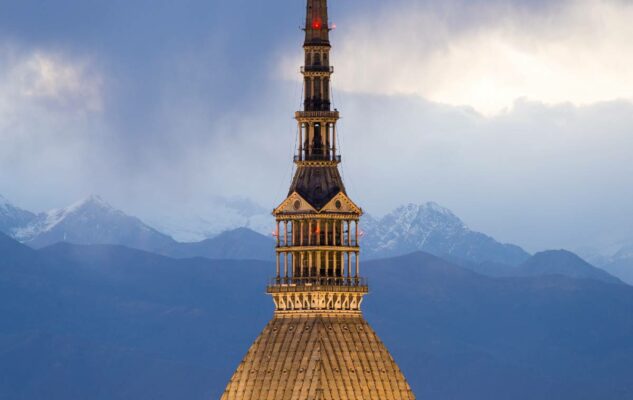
(12, 217)
(94, 221)
(426, 227)
(90, 221)
(109, 322)
(436, 230)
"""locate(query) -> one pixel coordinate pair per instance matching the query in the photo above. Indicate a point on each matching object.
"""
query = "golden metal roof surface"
(334, 356)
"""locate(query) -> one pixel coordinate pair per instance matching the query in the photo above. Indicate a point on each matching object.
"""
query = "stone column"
(301, 262)
(334, 223)
(300, 141)
(309, 132)
(301, 233)
(334, 264)
(334, 140)
(330, 137)
(293, 229)
(342, 233)
(349, 265)
(342, 260)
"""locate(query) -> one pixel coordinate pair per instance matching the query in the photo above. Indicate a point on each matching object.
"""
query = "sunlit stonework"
(318, 345)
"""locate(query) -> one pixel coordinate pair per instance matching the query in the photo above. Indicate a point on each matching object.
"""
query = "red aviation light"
(317, 24)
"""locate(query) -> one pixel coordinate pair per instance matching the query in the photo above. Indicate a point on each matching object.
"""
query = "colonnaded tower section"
(318, 345)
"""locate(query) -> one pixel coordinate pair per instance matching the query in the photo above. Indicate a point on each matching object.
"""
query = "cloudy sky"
(517, 114)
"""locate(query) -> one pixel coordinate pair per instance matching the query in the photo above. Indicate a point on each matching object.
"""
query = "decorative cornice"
(320, 215)
(317, 114)
(327, 74)
(317, 164)
(317, 47)
(303, 302)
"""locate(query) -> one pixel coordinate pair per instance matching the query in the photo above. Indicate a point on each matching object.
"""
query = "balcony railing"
(317, 68)
(282, 284)
(291, 246)
(319, 157)
(318, 114)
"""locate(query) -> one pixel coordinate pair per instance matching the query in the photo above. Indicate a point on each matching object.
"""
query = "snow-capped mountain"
(427, 227)
(200, 221)
(436, 230)
(91, 221)
(13, 218)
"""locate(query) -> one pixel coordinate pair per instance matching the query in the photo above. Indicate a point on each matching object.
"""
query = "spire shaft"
(317, 70)
(317, 26)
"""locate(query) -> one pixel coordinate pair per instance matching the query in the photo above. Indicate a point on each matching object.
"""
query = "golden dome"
(331, 356)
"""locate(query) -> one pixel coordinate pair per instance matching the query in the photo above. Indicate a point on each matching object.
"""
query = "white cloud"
(50, 77)
(50, 114)
(48, 80)
(539, 176)
(486, 57)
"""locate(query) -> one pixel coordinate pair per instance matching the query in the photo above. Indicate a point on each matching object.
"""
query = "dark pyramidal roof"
(317, 185)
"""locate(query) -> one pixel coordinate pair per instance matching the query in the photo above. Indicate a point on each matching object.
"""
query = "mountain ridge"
(562, 262)
(410, 228)
(435, 229)
(12, 217)
(91, 221)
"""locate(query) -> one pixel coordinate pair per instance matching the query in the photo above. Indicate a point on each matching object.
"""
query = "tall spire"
(318, 346)
(316, 69)
(317, 223)
(317, 178)
(317, 27)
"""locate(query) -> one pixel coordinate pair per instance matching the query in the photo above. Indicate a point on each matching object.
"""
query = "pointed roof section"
(294, 204)
(317, 185)
(317, 27)
(342, 204)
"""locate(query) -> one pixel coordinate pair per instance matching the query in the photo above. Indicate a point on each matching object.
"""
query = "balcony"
(332, 116)
(314, 157)
(317, 68)
(318, 284)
